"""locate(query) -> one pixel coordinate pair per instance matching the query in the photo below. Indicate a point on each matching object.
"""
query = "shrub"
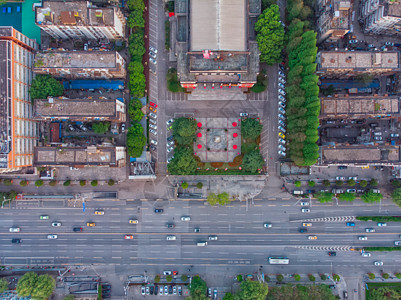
(280, 278)
(297, 183)
(336, 277)
(297, 277)
(94, 183)
(169, 278)
(239, 278)
(311, 278)
(311, 183)
(372, 276)
(39, 182)
(363, 183)
(82, 182)
(111, 182)
(339, 182)
(398, 275)
(373, 182)
(236, 162)
(385, 275)
(199, 185)
(157, 279)
(67, 183)
(326, 182)
(7, 182)
(53, 182)
(23, 183)
(184, 185)
(184, 278)
(267, 278)
(351, 182)
(216, 164)
(380, 218)
(323, 277)
(395, 183)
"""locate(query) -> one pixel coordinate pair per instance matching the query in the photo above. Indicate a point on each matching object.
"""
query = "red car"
(175, 272)
(128, 237)
(153, 104)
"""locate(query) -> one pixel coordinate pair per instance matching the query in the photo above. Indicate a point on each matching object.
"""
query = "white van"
(171, 237)
(14, 229)
(201, 244)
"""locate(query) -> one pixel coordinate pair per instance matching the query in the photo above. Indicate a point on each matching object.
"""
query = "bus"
(279, 261)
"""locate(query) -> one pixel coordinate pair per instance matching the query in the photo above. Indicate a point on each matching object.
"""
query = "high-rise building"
(79, 20)
(18, 130)
(381, 16)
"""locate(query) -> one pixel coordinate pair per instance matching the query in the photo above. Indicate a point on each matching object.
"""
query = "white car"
(280, 109)
(281, 98)
(167, 273)
(170, 159)
(213, 238)
(281, 153)
(304, 203)
(170, 122)
(280, 140)
(56, 224)
(305, 210)
(153, 131)
(171, 238)
(52, 236)
(353, 41)
(340, 178)
(169, 144)
(281, 73)
(281, 128)
(362, 238)
(378, 263)
(243, 114)
(281, 122)
(153, 142)
(370, 230)
(281, 147)
(380, 224)
(281, 116)
(282, 104)
(151, 53)
(153, 49)
(170, 149)
(366, 254)
(394, 135)
(185, 218)
(389, 44)
(281, 85)
(143, 291)
(153, 126)
(282, 92)
(14, 229)
(281, 79)
(152, 60)
(152, 115)
(267, 225)
(152, 121)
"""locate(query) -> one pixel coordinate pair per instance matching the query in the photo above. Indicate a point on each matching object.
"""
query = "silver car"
(282, 129)
(52, 236)
(152, 60)
(280, 140)
(281, 153)
(282, 92)
(281, 98)
(153, 131)
(281, 147)
(282, 104)
(281, 116)
(153, 126)
(153, 49)
(151, 53)
(281, 122)
(280, 109)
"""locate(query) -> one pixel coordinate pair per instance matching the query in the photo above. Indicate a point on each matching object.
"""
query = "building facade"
(380, 16)
(80, 64)
(19, 132)
(333, 19)
(79, 20)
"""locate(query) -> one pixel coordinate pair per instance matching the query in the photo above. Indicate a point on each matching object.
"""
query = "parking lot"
(163, 290)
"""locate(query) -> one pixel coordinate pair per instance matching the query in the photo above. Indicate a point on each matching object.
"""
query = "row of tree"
(303, 105)
(136, 48)
(368, 197)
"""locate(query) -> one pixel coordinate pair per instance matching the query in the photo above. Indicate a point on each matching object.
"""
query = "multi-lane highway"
(242, 239)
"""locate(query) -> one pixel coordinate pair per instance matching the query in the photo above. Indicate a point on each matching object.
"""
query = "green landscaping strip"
(380, 218)
(367, 249)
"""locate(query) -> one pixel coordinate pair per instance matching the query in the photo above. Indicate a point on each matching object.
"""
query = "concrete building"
(214, 43)
(80, 64)
(19, 131)
(333, 19)
(84, 110)
(80, 156)
(380, 16)
(343, 64)
(357, 107)
(79, 20)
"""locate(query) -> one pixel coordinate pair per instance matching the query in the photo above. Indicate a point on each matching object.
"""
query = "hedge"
(380, 218)
(382, 249)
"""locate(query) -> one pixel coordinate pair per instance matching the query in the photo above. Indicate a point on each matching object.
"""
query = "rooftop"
(359, 105)
(338, 13)
(358, 59)
(218, 62)
(394, 9)
(73, 13)
(360, 154)
(76, 59)
(91, 155)
(218, 25)
(59, 107)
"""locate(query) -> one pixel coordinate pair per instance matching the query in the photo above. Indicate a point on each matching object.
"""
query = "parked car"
(243, 114)
(169, 149)
(280, 109)
(281, 85)
(353, 41)
(152, 60)
(152, 131)
(153, 49)
(169, 122)
(281, 122)
(153, 147)
(281, 153)
(282, 104)
(371, 46)
(153, 142)
(280, 140)
(281, 128)
(151, 53)
(351, 190)
(280, 134)
(143, 291)
(389, 44)
(282, 80)
(152, 115)
(280, 97)
(340, 178)
(123, 127)
(281, 116)
(280, 73)
(152, 103)
(153, 126)
(281, 147)
(282, 92)
(394, 135)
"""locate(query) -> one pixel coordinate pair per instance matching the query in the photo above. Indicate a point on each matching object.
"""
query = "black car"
(77, 229)
(196, 230)
(332, 286)
(156, 289)
(332, 253)
(159, 210)
(342, 167)
(170, 138)
(170, 225)
(302, 230)
(16, 241)
(152, 290)
(153, 147)
(170, 289)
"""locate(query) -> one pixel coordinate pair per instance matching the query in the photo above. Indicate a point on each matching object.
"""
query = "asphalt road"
(242, 238)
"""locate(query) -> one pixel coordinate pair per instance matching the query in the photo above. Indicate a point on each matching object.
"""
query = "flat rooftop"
(394, 9)
(76, 59)
(362, 154)
(59, 107)
(225, 62)
(75, 156)
(358, 60)
(360, 105)
(73, 13)
(218, 25)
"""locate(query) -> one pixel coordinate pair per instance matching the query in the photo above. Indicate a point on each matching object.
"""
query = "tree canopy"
(136, 140)
(3, 285)
(370, 197)
(101, 127)
(251, 128)
(252, 290)
(270, 35)
(183, 162)
(324, 197)
(184, 130)
(198, 288)
(252, 161)
(396, 196)
(38, 287)
(44, 86)
(134, 110)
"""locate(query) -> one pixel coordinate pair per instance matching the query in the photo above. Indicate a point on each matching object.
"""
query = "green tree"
(336, 277)
(212, 199)
(372, 276)
(173, 84)
(198, 287)
(53, 182)
(239, 278)
(279, 277)
(326, 182)
(44, 287)
(270, 35)
(311, 183)
(7, 182)
(69, 297)
(39, 182)
(3, 285)
(111, 182)
(157, 279)
(398, 275)
(323, 277)
(311, 278)
(363, 183)
(324, 197)
(135, 19)
(27, 284)
(199, 185)
(251, 128)
(254, 290)
(347, 197)
(184, 130)
(67, 183)
(136, 5)
(184, 278)
(297, 277)
(184, 185)
(373, 182)
(136, 140)
(94, 183)
(223, 198)
(395, 183)
(351, 182)
(370, 197)
(23, 183)
(252, 161)
(228, 296)
(339, 182)
(183, 162)
(385, 275)
(44, 86)
(297, 183)
(101, 127)
(82, 182)
(169, 278)
(135, 110)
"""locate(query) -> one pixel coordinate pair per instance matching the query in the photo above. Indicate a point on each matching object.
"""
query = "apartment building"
(80, 64)
(19, 131)
(333, 19)
(79, 20)
(380, 16)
